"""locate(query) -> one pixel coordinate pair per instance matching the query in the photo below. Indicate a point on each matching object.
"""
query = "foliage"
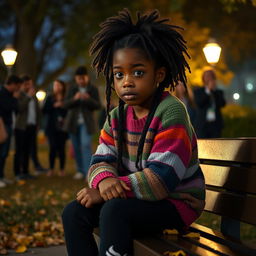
(233, 30)
(30, 212)
(240, 121)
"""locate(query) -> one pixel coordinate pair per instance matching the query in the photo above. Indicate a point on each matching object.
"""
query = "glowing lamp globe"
(212, 52)
(40, 95)
(9, 56)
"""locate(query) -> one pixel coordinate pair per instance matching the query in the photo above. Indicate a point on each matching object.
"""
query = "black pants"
(119, 220)
(23, 148)
(57, 142)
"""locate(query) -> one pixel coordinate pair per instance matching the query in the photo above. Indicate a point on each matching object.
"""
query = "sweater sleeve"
(168, 160)
(104, 159)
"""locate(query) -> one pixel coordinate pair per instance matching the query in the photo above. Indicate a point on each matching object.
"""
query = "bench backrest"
(229, 166)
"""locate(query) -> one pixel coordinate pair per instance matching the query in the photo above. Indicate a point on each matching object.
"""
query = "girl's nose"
(128, 82)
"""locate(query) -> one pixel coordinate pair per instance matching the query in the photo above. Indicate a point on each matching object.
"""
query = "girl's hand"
(112, 188)
(88, 197)
(196, 204)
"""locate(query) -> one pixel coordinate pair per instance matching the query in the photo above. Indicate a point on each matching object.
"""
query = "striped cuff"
(99, 177)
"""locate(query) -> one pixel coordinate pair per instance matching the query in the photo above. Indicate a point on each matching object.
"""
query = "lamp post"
(9, 56)
(212, 52)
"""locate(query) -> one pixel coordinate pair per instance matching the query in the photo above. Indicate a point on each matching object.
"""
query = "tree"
(51, 35)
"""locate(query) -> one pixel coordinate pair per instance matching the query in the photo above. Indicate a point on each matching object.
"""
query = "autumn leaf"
(49, 192)
(42, 212)
(21, 249)
(21, 182)
(4, 202)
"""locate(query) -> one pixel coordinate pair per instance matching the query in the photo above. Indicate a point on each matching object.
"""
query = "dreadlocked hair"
(158, 40)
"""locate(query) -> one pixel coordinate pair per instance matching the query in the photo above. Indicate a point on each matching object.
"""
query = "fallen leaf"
(170, 232)
(4, 202)
(42, 211)
(21, 249)
(21, 182)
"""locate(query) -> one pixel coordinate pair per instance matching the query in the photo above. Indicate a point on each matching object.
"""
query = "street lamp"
(9, 56)
(212, 52)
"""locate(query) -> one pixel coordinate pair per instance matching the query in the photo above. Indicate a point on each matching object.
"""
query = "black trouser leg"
(78, 223)
(120, 221)
(123, 219)
(19, 150)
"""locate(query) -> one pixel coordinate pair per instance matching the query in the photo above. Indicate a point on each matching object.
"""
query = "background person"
(26, 126)
(8, 105)
(55, 117)
(209, 100)
(186, 95)
(81, 101)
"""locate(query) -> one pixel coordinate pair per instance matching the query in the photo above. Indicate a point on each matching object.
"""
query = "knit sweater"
(169, 163)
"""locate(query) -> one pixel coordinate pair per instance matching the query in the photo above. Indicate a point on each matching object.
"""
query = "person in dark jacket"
(81, 101)
(55, 116)
(26, 126)
(209, 100)
(8, 105)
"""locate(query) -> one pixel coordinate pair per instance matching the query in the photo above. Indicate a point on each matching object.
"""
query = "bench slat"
(238, 246)
(203, 246)
(231, 178)
(236, 150)
(232, 205)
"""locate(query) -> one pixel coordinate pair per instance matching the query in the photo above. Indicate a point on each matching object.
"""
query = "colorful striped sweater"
(169, 161)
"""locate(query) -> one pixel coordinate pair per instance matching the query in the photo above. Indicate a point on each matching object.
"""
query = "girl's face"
(135, 77)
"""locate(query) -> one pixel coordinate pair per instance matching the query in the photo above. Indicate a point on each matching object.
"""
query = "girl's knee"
(113, 209)
(70, 212)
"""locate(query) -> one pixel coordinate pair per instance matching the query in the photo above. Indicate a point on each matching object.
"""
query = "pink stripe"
(101, 176)
(172, 145)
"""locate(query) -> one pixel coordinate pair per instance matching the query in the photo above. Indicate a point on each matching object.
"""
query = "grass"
(30, 212)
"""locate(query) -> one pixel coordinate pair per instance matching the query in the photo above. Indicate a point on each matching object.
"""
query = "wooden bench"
(229, 166)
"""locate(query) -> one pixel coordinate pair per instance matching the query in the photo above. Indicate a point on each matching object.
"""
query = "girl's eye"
(118, 75)
(138, 73)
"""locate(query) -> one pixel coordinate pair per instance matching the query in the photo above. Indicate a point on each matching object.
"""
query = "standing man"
(81, 101)
(26, 126)
(209, 101)
(8, 105)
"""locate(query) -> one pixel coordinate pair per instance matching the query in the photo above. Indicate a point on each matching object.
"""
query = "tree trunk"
(26, 59)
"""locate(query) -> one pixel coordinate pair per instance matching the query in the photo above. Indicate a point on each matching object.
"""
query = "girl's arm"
(103, 161)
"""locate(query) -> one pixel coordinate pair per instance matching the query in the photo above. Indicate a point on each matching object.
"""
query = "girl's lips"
(129, 96)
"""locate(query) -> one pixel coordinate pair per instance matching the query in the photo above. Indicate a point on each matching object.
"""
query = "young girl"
(53, 108)
(145, 174)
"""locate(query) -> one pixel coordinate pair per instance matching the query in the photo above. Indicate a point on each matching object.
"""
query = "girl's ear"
(160, 74)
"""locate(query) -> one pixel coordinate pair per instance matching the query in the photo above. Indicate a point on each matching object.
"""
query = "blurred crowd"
(68, 113)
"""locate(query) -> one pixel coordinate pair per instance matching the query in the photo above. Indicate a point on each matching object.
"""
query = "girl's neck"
(140, 112)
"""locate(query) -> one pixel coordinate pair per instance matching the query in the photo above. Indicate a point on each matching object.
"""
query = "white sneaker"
(78, 176)
(2, 184)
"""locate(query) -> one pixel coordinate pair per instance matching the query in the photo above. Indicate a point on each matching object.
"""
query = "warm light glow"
(40, 95)
(212, 52)
(236, 96)
(9, 56)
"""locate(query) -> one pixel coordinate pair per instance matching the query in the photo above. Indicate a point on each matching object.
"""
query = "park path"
(49, 251)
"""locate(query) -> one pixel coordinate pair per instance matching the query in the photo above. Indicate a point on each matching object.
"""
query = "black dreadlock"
(159, 41)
